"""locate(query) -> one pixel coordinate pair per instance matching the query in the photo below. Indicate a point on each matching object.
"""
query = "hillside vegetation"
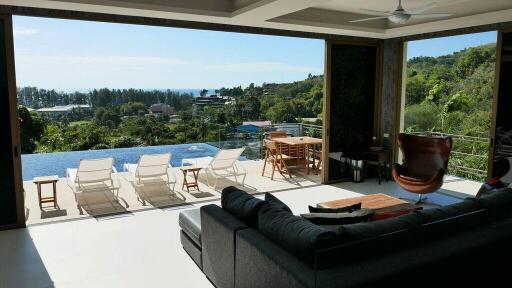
(118, 118)
(453, 94)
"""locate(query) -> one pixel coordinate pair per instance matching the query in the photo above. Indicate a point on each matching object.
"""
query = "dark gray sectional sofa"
(468, 243)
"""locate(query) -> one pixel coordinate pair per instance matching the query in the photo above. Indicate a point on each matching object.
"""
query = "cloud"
(145, 63)
(20, 32)
(61, 72)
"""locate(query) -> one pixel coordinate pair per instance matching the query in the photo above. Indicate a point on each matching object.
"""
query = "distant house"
(210, 100)
(163, 109)
(259, 124)
(63, 110)
(254, 126)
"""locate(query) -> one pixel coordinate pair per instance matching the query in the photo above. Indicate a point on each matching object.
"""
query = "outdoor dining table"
(304, 141)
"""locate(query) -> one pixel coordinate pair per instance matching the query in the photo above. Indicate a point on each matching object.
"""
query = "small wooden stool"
(195, 173)
(39, 181)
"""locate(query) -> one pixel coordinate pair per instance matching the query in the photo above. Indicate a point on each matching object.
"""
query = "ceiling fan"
(400, 16)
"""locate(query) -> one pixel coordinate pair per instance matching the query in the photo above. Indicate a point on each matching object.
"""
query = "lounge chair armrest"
(69, 181)
(240, 167)
(171, 174)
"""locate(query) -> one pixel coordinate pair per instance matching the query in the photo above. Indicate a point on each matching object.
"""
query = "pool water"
(45, 164)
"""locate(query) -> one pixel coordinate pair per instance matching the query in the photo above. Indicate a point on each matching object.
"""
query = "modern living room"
(387, 210)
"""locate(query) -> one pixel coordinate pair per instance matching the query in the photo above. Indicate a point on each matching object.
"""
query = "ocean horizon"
(194, 91)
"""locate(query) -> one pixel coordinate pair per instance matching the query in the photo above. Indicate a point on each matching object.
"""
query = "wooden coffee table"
(378, 202)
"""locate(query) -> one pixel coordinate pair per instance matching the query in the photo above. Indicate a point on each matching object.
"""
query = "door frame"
(495, 100)
(378, 44)
(14, 123)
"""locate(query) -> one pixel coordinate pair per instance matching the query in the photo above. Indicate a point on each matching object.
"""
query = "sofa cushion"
(393, 213)
(294, 233)
(276, 202)
(241, 204)
(499, 201)
(190, 223)
(435, 214)
(348, 208)
(339, 218)
(360, 231)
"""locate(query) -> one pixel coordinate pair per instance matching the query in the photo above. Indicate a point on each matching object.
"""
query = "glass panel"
(351, 108)
(7, 190)
(503, 139)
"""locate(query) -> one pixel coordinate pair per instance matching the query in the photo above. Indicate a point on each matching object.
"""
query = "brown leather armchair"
(425, 163)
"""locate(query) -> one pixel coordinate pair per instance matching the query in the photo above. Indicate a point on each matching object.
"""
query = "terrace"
(134, 197)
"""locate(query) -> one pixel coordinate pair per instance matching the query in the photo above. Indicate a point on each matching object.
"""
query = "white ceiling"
(321, 16)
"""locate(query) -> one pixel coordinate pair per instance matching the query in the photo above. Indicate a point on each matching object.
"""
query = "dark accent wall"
(390, 91)
(352, 104)
(8, 211)
(503, 133)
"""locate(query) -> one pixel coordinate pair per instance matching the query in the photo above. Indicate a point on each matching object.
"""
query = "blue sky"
(77, 55)
(448, 45)
(68, 55)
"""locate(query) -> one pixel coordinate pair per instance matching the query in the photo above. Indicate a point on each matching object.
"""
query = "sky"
(77, 55)
(69, 55)
(448, 45)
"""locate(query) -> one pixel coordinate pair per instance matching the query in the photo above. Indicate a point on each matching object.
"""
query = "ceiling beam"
(268, 9)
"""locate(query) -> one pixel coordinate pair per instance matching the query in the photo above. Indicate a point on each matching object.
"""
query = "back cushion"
(349, 208)
(293, 233)
(445, 212)
(276, 202)
(241, 205)
(499, 202)
(339, 218)
(360, 231)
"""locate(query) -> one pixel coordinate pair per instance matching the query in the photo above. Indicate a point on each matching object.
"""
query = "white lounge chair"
(151, 167)
(93, 174)
(223, 165)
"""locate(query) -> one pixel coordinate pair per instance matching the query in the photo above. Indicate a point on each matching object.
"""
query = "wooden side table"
(193, 183)
(380, 158)
(39, 181)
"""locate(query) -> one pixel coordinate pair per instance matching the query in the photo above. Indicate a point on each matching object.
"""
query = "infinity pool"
(46, 164)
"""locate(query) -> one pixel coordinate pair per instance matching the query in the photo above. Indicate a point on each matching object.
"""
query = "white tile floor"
(139, 250)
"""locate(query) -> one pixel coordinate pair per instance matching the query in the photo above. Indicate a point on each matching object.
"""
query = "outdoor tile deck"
(101, 203)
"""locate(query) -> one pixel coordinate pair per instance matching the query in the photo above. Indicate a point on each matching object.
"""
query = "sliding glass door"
(11, 198)
(501, 136)
(350, 122)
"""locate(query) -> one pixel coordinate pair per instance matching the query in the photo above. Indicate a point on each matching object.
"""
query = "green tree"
(107, 117)
(32, 128)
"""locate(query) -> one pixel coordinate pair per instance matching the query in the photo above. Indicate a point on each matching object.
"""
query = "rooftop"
(66, 108)
(258, 123)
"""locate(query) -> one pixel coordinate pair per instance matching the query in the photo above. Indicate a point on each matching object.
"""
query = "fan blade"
(380, 13)
(368, 19)
(431, 15)
(422, 8)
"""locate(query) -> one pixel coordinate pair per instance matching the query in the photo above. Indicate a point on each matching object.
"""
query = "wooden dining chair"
(277, 134)
(316, 156)
(285, 149)
(279, 161)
